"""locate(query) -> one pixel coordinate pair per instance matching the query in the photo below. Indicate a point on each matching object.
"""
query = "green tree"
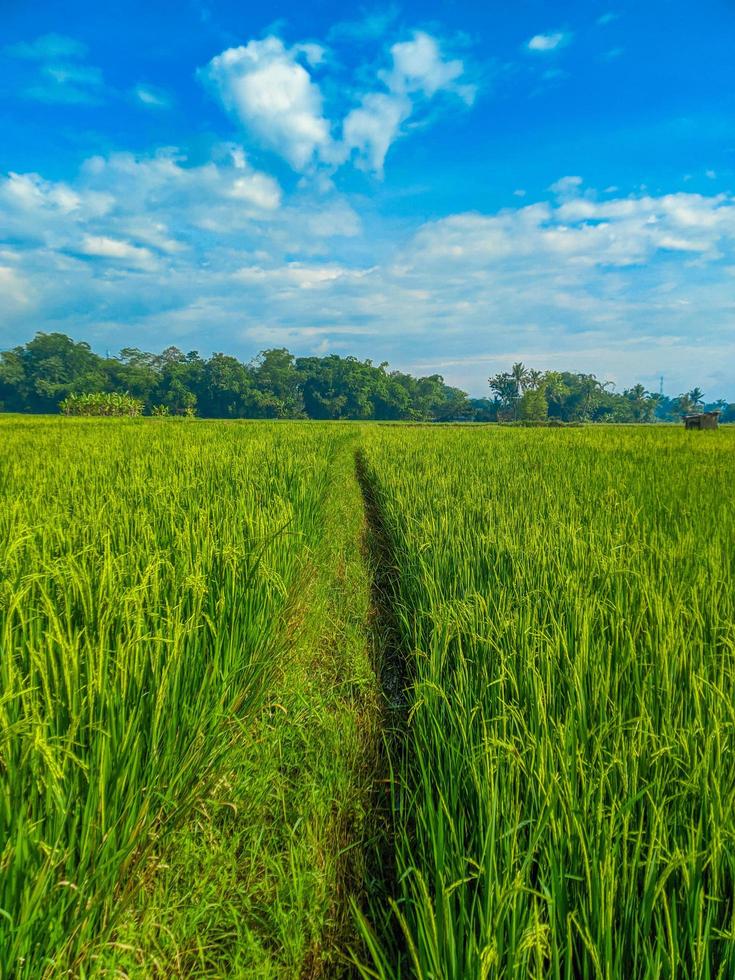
(278, 380)
(505, 387)
(227, 389)
(533, 405)
(47, 369)
(684, 405)
(520, 375)
(641, 404)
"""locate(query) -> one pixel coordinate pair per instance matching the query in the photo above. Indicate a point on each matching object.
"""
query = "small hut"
(702, 420)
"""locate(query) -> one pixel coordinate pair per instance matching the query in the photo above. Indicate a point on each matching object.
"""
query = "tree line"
(526, 394)
(53, 372)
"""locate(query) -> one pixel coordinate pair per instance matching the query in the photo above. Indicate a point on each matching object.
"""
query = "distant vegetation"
(52, 370)
(101, 403)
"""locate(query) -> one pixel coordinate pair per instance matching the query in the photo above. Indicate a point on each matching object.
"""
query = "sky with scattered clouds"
(448, 187)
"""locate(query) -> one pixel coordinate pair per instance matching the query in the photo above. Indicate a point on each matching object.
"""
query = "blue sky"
(449, 187)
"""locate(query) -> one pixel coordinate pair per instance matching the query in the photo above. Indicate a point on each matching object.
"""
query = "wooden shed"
(702, 420)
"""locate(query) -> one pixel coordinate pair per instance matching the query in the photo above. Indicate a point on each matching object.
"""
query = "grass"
(196, 625)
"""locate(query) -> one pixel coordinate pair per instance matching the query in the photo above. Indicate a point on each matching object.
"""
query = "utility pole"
(661, 385)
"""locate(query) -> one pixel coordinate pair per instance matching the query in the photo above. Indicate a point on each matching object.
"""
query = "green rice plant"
(146, 575)
(564, 801)
(259, 881)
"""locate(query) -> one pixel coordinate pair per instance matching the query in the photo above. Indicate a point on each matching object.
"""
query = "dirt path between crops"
(389, 659)
(391, 669)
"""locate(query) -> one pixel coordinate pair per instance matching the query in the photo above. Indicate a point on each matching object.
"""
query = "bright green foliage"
(147, 570)
(565, 797)
(533, 405)
(103, 404)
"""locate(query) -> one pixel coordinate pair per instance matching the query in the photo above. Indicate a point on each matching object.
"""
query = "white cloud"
(548, 42)
(164, 182)
(315, 54)
(273, 95)
(604, 19)
(265, 85)
(374, 126)
(300, 275)
(584, 232)
(153, 203)
(13, 289)
(47, 47)
(333, 219)
(566, 186)
(152, 97)
(29, 191)
(418, 66)
(112, 248)
(418, 70)
(59, 77)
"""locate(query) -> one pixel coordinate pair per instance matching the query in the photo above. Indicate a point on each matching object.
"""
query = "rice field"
(565, 798)
(471, 716)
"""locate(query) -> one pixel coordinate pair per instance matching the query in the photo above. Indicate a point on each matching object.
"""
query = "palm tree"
(684, 404)
(641, 404)
(636, 393)
(696, 396)
(519, 373)
(534, 379)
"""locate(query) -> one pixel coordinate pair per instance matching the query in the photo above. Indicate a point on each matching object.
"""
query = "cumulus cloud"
(566, 186)
(151, 204)
(584, 232)
(268, 89)
(112, 248)
(373, 127)
(544, 43)
(165, 182)
(418, 70)
(418, 66)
